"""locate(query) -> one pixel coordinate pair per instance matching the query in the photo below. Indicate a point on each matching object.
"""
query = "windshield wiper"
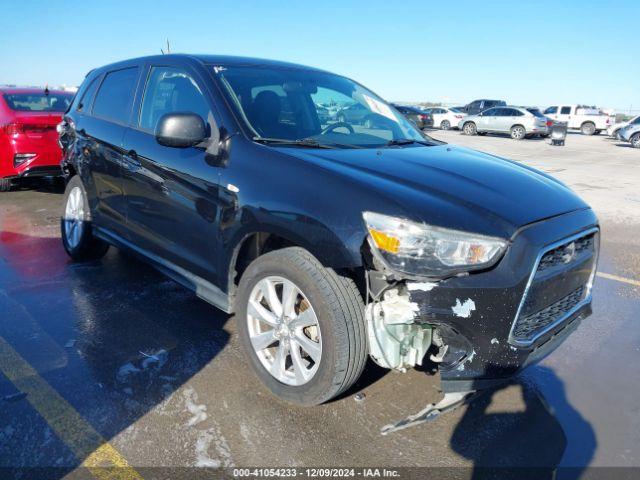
(408, 141)
(305, 142)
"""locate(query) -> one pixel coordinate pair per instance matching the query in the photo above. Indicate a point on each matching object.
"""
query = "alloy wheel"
(74, 217)
(284, 330)
(469, 128)
(518, 133)
(445, 125)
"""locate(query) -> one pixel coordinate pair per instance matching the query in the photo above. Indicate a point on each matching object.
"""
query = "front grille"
(558, 285)
(559, 255)
(527, 327)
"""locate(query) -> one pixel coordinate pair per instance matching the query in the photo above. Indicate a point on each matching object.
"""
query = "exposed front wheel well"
(250, 248)
(259, 243)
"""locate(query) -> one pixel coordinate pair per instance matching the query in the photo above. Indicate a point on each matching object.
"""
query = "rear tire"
(75, 225)
(445, 125)
(588, 128)
(338, 313)
(469, 128)
(518, 132)
(635, 140)
(5, 184)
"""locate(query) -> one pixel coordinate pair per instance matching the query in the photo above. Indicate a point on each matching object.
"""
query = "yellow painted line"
(97, 455)
(608, 276)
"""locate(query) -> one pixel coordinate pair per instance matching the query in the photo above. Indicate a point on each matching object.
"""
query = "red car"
(28, 138)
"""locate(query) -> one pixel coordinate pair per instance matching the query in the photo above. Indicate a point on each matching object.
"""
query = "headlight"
(424, 250)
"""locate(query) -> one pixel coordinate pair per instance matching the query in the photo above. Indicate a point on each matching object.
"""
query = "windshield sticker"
(379, 107)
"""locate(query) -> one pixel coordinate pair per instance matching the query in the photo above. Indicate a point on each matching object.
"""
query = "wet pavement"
(114, 352)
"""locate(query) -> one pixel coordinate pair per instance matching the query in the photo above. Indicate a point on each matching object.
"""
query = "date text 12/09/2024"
(315, 472)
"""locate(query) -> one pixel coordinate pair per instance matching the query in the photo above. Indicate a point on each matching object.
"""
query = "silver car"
(519, 122)
(631, 134)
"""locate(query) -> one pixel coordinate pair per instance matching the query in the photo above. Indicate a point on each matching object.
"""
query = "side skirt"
(201, 287)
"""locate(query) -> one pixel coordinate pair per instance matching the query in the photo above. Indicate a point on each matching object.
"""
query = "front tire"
(75, 225)
(588, 128)
(635, 140)
(445, 125)
(469, 128)
(5, 184)
(301, 325)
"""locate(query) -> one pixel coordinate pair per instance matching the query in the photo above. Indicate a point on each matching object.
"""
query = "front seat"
(265, 116)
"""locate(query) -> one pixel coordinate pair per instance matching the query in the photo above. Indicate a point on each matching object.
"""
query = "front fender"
(321, 241)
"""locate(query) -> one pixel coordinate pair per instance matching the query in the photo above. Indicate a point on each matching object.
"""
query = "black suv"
(329, 241)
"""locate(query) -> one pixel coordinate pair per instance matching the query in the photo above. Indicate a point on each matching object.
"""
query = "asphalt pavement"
(112, 362)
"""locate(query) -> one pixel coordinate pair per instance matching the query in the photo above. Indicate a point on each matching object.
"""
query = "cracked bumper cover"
(475, 313)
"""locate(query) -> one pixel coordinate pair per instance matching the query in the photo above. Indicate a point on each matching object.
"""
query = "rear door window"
(115, 97)
(565, 111)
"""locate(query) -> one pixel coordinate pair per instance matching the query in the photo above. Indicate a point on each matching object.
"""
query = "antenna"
(168, 48)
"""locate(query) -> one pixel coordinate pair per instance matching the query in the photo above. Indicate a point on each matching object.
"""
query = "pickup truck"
(589, 120)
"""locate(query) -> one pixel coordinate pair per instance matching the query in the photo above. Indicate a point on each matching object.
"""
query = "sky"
(528, 52)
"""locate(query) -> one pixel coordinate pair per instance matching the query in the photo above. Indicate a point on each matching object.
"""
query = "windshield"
(298, 106)
(38, 102)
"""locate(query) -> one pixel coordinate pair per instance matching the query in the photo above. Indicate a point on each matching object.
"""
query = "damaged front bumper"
(485, 327)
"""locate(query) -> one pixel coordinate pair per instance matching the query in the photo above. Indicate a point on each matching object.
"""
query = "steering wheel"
(333, 126)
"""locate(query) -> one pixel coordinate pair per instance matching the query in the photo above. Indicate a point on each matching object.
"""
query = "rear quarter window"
(115, 96)
(84, 104)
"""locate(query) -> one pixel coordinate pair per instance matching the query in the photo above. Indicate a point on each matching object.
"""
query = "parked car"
(535, 111)
(613, 130)
(445, 117)
(328, 244)
(28, 139)
(631, 134)
(518, 122)
(478, 106)
(419, 117)
(354, 113)
(589, 120)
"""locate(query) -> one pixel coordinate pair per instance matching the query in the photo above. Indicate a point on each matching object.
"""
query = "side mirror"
(180, 130)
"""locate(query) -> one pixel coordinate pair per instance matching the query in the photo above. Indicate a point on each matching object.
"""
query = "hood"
(452, 186)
